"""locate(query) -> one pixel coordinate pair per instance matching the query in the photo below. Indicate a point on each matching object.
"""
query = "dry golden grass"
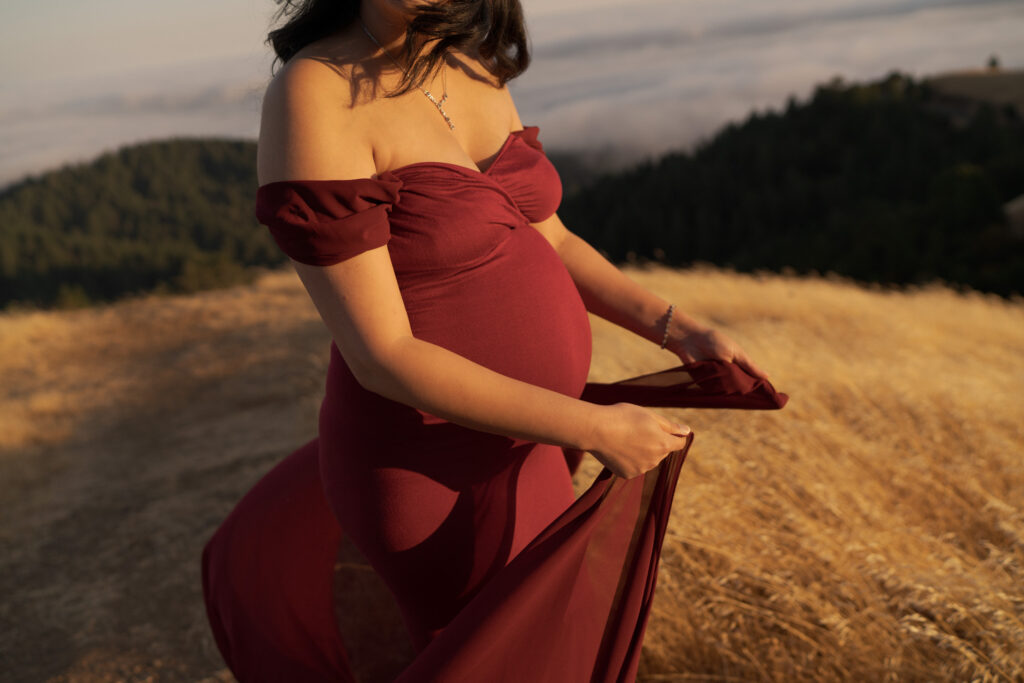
(872, 530)
(997, 86)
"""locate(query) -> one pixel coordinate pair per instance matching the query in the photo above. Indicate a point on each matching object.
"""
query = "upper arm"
(553, 229)
(309, 131)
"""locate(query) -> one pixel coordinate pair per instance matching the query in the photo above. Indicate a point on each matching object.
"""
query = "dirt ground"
(127, 433)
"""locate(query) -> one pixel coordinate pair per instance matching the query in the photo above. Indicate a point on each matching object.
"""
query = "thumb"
(674, 428)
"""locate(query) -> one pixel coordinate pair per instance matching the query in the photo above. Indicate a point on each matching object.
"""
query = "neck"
(388, 26)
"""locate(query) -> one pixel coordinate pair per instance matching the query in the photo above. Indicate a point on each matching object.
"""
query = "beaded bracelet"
(664, 341)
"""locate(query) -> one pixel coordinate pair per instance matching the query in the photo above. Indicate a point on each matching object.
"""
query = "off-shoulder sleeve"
(323, 222)
(529, 135)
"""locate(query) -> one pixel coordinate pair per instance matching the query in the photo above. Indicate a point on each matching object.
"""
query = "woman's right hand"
(631, 439)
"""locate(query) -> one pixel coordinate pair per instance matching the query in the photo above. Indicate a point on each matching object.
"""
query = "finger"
(680, 442)
(686, 357)
(676, 428)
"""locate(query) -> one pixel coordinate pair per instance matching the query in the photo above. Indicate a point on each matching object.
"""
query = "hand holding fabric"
(693, 342)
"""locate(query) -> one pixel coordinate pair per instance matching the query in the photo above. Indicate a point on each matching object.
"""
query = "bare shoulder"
(312, 125)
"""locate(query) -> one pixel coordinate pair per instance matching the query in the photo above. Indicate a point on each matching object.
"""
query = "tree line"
(874, 181)
(169, 216)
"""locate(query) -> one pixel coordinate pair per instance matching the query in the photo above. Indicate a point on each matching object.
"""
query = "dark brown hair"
(492, 29)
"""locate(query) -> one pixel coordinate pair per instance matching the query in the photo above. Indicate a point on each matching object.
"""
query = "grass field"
(996, 86)
(872, 530)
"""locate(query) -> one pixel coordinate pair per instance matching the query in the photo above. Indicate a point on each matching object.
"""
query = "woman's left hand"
(692, 342)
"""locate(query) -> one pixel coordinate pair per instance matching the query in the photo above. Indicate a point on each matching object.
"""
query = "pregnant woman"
(419, 213)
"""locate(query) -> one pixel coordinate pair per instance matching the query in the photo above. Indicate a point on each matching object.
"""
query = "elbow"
(372, 375)
(377, 371)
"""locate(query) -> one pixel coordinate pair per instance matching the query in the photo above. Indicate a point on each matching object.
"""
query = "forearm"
(443, 383)
(607, 292)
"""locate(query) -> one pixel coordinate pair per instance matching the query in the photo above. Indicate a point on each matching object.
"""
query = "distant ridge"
(890, 182)
(896, 181)
(992, 85)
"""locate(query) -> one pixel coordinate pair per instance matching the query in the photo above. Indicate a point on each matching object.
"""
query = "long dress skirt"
(571, 604)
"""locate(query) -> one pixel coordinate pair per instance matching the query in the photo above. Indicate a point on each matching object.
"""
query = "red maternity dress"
(500, 574)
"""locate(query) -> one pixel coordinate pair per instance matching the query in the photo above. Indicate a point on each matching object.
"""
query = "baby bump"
(518, 313)
(436, 507)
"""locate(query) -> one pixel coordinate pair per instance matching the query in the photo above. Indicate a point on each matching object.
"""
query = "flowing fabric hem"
(571, 607)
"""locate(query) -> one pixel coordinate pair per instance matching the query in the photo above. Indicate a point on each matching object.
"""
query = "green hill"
(175, 215)
(885, 182)
(870, 181)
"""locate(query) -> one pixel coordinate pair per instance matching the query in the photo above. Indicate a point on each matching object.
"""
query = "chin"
(409, 6)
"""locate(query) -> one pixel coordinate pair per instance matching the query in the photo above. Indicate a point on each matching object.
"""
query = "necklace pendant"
(444, 97)
(440, 108)
(447, 118)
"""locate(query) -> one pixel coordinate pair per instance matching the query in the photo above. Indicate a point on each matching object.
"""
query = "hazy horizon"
(641, 77)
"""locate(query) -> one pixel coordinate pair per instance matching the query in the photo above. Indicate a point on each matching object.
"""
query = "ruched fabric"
(496, 571)
(526, 174)
(323, 222)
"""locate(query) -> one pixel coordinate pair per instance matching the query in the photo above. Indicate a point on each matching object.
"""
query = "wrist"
(591, 438)
(671, 329)
(682, 325)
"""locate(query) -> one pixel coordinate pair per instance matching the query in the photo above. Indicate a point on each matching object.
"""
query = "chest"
(448, 215)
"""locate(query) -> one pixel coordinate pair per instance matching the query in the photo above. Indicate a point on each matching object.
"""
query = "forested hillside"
(873, 181)
(175, 215)
(886, 182)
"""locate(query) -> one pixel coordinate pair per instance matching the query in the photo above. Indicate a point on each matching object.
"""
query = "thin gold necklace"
(444, 79)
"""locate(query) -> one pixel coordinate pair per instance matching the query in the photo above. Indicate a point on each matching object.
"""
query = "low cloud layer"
(640, 76)
(672, 73)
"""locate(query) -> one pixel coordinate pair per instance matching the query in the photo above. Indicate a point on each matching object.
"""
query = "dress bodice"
(433, 215)
(476, 535)
(474, 276)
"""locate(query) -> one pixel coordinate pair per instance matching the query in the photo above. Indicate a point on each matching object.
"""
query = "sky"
(639, 76)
